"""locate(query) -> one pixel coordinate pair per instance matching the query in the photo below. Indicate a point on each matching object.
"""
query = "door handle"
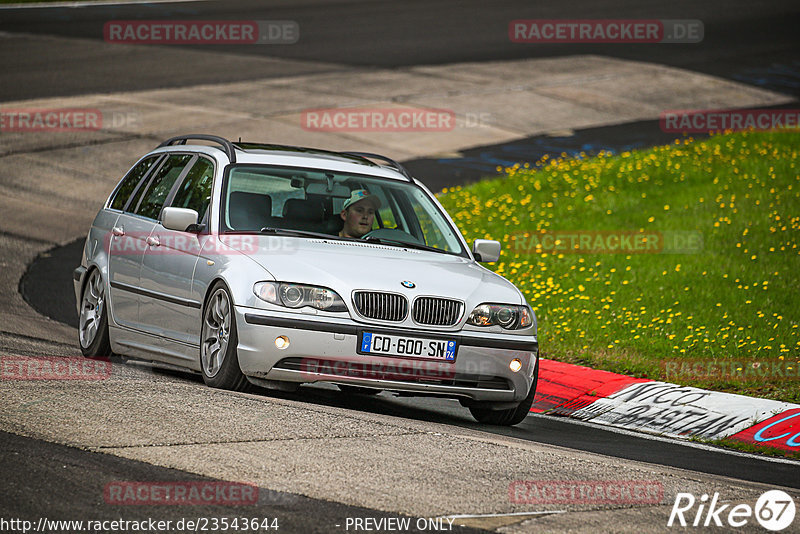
(118, 231)
(153, 241)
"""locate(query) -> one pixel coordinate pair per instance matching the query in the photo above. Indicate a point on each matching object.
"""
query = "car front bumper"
(325, 350)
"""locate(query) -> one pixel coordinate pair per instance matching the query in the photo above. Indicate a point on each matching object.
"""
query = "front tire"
(93, 322)
(510, 416)
(219, 360)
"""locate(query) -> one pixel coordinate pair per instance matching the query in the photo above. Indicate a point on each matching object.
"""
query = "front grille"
(381, 306)
(437, 311)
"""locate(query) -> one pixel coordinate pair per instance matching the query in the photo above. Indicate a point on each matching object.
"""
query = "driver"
(358, 213)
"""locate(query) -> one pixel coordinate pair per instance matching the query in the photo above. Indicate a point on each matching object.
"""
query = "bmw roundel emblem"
(409, 284)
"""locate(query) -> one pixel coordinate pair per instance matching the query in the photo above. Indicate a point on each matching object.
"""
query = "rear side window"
(160, 185)
(129, 183)
(195, 191)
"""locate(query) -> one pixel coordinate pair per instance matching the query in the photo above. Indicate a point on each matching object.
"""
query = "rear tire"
(93, 334)
(510, 416)
(219, 360)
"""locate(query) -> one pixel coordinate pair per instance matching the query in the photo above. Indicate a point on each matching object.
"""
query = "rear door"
(125, 242)
(131, 237)
(169, 262)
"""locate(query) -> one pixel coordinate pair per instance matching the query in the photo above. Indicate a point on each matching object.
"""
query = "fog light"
(281, 342)
(515, 365)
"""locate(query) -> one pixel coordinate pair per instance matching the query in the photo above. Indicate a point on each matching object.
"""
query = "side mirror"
(486, 250)
(178, 219)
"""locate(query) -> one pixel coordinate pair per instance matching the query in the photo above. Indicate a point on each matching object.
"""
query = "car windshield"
(271, 198)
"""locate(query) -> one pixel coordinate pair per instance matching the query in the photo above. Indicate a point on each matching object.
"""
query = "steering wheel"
(393, 234)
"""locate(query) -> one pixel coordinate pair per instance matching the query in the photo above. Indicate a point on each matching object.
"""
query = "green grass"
(733, 299)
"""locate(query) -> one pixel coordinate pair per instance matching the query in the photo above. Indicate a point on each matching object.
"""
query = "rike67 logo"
(774, 510)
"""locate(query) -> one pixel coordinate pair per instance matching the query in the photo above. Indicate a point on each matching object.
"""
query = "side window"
(160, 185)
(195, 191)
(433, 237)
(390, 214)
(387, 217)
(428, 220)
(129, 183)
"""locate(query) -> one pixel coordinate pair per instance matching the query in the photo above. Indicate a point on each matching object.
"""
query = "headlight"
(298, 296)
(508, 316)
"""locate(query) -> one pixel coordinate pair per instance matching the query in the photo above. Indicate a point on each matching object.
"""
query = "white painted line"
(675, 441)
(513, 514)
(41, 5)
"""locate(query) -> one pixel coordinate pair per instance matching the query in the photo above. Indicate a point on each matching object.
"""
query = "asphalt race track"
(70, 480)
(757, 43)
(61, 448)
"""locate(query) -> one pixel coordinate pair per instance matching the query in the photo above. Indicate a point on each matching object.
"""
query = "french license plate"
(413, 347)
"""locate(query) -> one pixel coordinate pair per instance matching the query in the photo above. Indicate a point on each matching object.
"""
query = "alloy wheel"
(216, 332)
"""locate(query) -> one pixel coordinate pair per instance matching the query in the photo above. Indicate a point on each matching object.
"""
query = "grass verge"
(715, 276)
(749, 447)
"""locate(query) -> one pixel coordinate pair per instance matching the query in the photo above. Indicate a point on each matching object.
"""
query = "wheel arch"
(210, 286)
(90, 268)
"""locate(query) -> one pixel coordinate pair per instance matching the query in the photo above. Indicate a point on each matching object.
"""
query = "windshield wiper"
(296, 233)
(399, 243)
(380, 240)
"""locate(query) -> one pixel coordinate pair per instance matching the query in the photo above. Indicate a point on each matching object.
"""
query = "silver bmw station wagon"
(277, 266)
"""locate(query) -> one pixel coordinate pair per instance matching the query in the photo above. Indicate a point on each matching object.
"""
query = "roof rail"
(367, 155)
(227, 146)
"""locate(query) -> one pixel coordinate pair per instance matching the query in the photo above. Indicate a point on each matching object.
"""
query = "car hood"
(345, 266)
